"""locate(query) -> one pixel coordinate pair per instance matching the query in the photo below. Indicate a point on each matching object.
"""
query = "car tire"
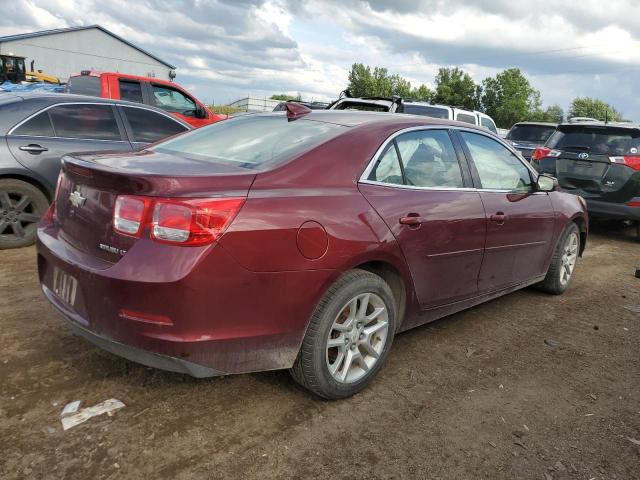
(565, 256)
(358, 315)
(21, 206)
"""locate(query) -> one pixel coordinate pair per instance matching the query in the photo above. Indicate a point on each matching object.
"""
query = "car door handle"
(413, 220)
(33, 148)
(499, 218)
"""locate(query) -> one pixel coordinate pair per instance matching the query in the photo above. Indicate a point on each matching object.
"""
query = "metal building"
(65, 51)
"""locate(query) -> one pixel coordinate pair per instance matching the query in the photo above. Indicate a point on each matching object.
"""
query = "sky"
(228, 49)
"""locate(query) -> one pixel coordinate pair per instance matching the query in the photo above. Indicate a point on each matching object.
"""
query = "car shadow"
(615, 230)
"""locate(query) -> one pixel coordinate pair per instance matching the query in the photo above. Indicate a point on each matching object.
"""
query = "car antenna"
(296, 110)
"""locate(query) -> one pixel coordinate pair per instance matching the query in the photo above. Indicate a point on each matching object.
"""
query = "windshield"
(427, 111)
(367, 107)
(531, 133)
(596, 139)
(252, 140)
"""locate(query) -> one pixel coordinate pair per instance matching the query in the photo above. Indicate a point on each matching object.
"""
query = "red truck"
(148, 90)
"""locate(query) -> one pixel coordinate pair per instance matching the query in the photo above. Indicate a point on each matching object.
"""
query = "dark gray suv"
(38, 129)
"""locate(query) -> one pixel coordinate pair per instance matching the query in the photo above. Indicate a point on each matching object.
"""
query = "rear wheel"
(563, 262)
(21, 206)
(348, 337)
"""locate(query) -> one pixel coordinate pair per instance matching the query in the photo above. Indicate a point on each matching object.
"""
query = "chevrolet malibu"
(298, 240)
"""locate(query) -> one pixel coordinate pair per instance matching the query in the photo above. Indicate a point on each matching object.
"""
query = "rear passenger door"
(40, 141)
(146, 126)
(520, 221)
(421, 187)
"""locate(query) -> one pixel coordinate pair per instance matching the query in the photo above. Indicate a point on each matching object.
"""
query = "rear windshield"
(84, 85)
(251, 141)
(596, 139)
(367, 107)
(531, 133)
(425, 110)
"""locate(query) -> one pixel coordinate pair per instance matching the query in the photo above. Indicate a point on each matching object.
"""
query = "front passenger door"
(520, 221)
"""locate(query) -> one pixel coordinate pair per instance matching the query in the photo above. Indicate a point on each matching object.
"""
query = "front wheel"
(563, 262)
(349, 336)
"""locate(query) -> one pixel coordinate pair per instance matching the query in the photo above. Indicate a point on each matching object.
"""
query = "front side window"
(131, 91)
(488, 124)
(96, 122)
(148, 126)
(428, 160)
(174, 101)
(38, 126)
(497, 167)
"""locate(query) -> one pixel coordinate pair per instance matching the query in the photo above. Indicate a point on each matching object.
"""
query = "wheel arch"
(581, 222)
(30, 180)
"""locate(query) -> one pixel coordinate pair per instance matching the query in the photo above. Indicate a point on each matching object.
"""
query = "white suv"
(398, 105)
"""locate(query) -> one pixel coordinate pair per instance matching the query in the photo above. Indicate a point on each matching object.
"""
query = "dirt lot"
(477, 395)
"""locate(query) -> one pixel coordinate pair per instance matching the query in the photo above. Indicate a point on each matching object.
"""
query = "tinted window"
(531, 133)
(425, 110)
(596, 139)
(131, 91)
(497, 167)
(96, 122)
(172, 100)
(466, 118)
(367, 107)
(38, 126)
(148, 126)
(252, 140)
(387, 169)
(84, 85)
(488, 124)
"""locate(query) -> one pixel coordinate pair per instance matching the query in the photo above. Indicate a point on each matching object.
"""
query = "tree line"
(508, 97)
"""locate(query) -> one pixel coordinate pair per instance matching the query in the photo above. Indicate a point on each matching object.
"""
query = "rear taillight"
(129, 214)
(633, 204)
(631, 161)
(543, 152)
(176, 221)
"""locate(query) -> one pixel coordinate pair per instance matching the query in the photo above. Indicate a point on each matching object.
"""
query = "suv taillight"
(543, 152)
(175, 221)
(631, 161)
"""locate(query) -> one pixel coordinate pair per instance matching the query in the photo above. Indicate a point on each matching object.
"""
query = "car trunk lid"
(89, 185)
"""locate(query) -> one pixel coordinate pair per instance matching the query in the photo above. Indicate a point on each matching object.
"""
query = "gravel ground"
(526, 386)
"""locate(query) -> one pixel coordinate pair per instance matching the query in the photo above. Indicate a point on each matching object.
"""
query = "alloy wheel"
(357, 338)
(569, 257)
(18, 214)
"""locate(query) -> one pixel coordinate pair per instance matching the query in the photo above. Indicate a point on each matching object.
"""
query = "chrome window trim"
(364, 177)
(111, 104)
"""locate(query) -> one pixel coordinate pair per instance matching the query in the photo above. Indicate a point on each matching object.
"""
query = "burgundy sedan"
(298, 240)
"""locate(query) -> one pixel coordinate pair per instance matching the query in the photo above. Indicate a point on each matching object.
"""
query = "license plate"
(64, 286)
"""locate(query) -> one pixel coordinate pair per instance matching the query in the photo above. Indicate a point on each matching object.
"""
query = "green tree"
(509, 97)
(594, 108)
(285, 97)
(552, 113)
(365, 82)
(455, 87)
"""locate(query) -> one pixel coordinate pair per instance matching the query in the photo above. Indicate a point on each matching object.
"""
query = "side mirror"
(200, 112)
(546, 183)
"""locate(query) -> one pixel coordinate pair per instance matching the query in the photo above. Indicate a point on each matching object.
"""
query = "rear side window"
(488, 124)
(84, 85)
(96, 122)
(497, 167)
(601, 140)
(130, 91)
(427, 111)
(38, 126)
(148, 126)
(531, 133)
(251, 141)
(427, 158)
(466, 118)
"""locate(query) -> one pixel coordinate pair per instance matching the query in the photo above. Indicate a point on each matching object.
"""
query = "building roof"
(22, 36)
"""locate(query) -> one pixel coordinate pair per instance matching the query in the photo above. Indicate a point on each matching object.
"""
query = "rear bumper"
(620, 211)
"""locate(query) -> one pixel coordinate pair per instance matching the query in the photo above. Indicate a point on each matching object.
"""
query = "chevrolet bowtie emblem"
(76, 199)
